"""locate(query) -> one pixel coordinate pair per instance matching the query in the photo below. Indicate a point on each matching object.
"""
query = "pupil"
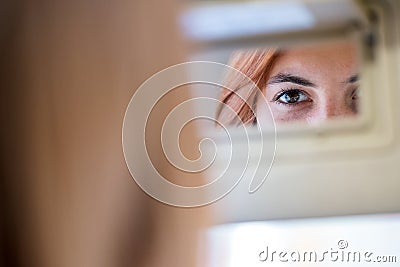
(292, 97)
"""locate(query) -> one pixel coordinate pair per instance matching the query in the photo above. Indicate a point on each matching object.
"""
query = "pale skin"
(313, 84)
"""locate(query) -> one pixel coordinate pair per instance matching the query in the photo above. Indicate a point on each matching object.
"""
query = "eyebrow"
(353, 79)
(289, 78)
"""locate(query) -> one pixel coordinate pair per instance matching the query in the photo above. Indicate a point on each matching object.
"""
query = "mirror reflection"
(309, 84)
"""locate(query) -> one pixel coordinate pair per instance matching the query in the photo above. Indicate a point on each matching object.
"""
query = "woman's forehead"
(339, 58)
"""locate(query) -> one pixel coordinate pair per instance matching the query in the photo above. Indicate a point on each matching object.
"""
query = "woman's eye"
(355, 95)
(354, 102)
(292, 96)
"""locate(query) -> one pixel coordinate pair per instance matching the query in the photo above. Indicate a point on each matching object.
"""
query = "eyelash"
(290, 90)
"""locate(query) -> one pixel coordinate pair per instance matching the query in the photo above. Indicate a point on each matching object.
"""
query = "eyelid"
(283, 91)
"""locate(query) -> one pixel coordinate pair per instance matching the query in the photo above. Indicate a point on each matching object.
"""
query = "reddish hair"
(256, 64)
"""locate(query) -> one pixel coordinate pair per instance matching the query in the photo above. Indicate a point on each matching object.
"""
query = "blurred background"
(68, 71)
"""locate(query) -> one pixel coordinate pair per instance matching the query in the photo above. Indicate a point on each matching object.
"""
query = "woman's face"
(314, 84)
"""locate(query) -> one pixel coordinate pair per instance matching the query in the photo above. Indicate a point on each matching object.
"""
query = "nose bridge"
(333, 107)
(330, 106)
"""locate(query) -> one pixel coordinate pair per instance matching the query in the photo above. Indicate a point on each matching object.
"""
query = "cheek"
(284, 115)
